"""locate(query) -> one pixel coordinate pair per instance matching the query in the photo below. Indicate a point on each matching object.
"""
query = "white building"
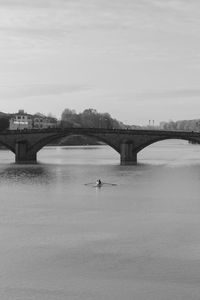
(20, 120)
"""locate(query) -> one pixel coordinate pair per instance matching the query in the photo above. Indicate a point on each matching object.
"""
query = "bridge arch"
(160, 139)
(49, 139)
(7, 146)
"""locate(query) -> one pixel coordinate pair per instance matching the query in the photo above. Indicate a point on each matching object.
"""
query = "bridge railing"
(98, 130)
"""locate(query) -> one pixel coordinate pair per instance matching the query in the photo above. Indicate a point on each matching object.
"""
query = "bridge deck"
(104, 131)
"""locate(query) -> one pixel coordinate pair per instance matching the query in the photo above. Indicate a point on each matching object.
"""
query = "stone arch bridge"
(26, 143)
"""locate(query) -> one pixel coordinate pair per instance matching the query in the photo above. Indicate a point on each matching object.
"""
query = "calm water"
(140, 239)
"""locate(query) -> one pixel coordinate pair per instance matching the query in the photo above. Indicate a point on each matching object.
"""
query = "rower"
(98, 182)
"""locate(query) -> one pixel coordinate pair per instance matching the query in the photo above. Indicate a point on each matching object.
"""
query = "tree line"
(89, 118)
(93, 119)
(185, 125)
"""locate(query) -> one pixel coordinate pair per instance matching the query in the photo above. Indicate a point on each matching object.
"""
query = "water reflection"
(26, 174)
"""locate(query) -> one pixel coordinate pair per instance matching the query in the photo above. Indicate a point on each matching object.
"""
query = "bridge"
(26, 143)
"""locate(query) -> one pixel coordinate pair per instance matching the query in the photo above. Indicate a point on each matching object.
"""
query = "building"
(41, 122)
(22, 120)
(38, 121)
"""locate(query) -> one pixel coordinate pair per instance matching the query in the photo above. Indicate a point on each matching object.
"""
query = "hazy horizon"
(136, 59)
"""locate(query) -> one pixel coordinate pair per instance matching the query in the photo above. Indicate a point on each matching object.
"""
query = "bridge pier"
(128, 154)
(22, 155)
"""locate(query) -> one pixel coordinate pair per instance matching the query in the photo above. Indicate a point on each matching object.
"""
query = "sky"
(139, 60)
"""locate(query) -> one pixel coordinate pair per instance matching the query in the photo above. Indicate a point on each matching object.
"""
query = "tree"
(68, 113)
(89, 118)
(4, 123)
(69, 117)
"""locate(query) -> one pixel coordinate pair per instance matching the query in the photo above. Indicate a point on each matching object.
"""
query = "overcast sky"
(136, 59)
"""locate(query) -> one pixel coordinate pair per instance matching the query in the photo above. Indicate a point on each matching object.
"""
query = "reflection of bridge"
(25, 144)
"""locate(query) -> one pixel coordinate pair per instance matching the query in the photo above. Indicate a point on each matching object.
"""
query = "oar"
(109, 183)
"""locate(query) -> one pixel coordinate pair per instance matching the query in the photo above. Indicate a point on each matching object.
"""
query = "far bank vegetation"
(88, 118)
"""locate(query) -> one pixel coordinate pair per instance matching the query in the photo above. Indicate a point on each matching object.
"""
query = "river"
(139, 239)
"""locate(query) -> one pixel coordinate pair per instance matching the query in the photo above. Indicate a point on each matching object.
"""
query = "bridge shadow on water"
(26, 174)
(46, 173)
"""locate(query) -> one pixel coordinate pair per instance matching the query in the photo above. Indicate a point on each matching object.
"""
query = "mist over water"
(140, 239)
